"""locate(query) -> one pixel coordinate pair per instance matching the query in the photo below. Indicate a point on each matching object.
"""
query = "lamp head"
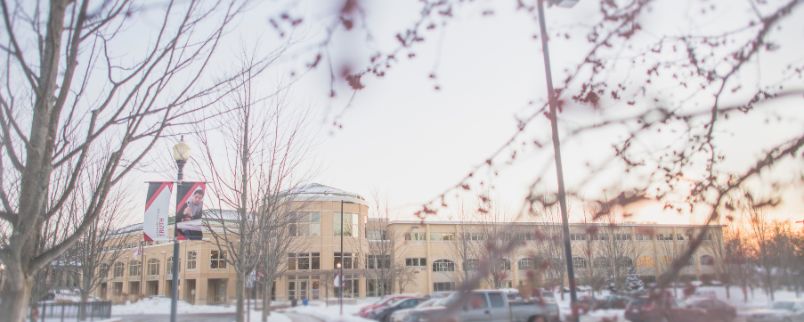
(181, 151)
(564, 3)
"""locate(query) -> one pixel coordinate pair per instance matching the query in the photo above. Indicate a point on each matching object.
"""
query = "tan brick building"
(399, 256)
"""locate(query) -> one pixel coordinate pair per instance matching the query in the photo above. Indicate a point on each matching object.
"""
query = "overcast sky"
(409, 142)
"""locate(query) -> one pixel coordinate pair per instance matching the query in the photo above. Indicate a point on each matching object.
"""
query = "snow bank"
(331, 313)
(161, 305)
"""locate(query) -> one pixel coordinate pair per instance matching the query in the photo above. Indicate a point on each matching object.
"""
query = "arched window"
(601, 262)
(579, 262)
(625, 261)
(153, 267)
(119, 268)
(469, 265)
(443, 265)
(134, 268)
(707, 260)
(504, 264)
(527, 263)
(103, 271)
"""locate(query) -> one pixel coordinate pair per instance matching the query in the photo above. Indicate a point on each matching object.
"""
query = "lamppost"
(181, 153)
(340, 265)
(562, 195)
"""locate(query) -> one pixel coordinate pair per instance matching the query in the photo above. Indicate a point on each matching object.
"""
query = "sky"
(406, 142)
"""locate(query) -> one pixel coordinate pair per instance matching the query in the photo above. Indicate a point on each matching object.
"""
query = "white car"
(779, 311)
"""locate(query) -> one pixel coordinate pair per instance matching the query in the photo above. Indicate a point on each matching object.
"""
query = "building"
(380, 257)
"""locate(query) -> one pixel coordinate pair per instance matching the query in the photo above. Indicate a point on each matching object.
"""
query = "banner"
(157, 204)
(189, 209)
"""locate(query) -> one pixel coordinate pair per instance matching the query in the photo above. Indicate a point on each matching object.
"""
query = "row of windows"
(217, 260)
(309, 224)
(445, 265)
(442, 236)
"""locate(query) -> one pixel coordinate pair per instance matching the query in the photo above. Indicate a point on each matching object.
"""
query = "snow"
(755, 301)
(331, 313)
(161, 305)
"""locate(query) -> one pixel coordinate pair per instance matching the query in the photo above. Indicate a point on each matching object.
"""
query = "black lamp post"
(551, 101)
(181, 153)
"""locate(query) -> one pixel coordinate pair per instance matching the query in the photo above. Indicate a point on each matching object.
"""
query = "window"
(600, 237)
(443, 265)
(578, 262)
(349, 261)
(679, 237)
(415, 236)
(153, 267)
(350, 225)
(134, 268)
(442, 236)
(376, 234)
(504, 264)
(527, 263)
(169, 266)
(707, 260)
(496, 300)
(443, 286)
(525, 235)
(416, 262)
(119, 268)
(643, 237)
(191, 259)
(470, 265)
(625, 262)
(304, 261)
(378, 261)
(217, 259)
(307, 224)
(474, 236)
(577, 237)
(378, 287)
(103, 271)
(622, 236)
(664, 237)
(645, 262)
(601, 262)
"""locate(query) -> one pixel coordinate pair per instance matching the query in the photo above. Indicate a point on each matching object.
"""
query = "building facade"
(380, 257)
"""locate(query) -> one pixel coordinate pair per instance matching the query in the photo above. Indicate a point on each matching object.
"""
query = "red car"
(366, 310)
(664, 309)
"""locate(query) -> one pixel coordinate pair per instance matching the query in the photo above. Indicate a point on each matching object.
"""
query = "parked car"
(486, 305)
(663, 309)
(383, 313)
(779, 311)
(716, 309)
(364, 312)
(401, 315)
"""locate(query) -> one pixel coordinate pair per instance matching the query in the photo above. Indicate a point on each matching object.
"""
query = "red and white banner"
(190, 210)
(157, 204)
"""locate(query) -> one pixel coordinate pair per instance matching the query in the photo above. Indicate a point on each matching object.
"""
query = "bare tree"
(99, 244)
(761, 228)
(252, 151)
(75, 89)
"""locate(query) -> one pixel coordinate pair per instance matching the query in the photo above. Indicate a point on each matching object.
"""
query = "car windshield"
(783, 306)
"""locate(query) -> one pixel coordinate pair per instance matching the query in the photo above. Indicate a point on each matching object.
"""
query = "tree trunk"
(82, 306)
(240, 293)
(16, 295)
(266, 301)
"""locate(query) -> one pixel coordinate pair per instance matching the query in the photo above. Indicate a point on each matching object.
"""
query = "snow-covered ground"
(161, 305)
(331, 312)
(757, 299)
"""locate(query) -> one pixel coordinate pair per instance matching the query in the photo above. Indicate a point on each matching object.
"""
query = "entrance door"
(189, 291)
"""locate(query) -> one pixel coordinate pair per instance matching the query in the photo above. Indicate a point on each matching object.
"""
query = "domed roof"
(320, 192)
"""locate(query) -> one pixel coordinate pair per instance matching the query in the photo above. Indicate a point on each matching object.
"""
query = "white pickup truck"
(486, 305)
